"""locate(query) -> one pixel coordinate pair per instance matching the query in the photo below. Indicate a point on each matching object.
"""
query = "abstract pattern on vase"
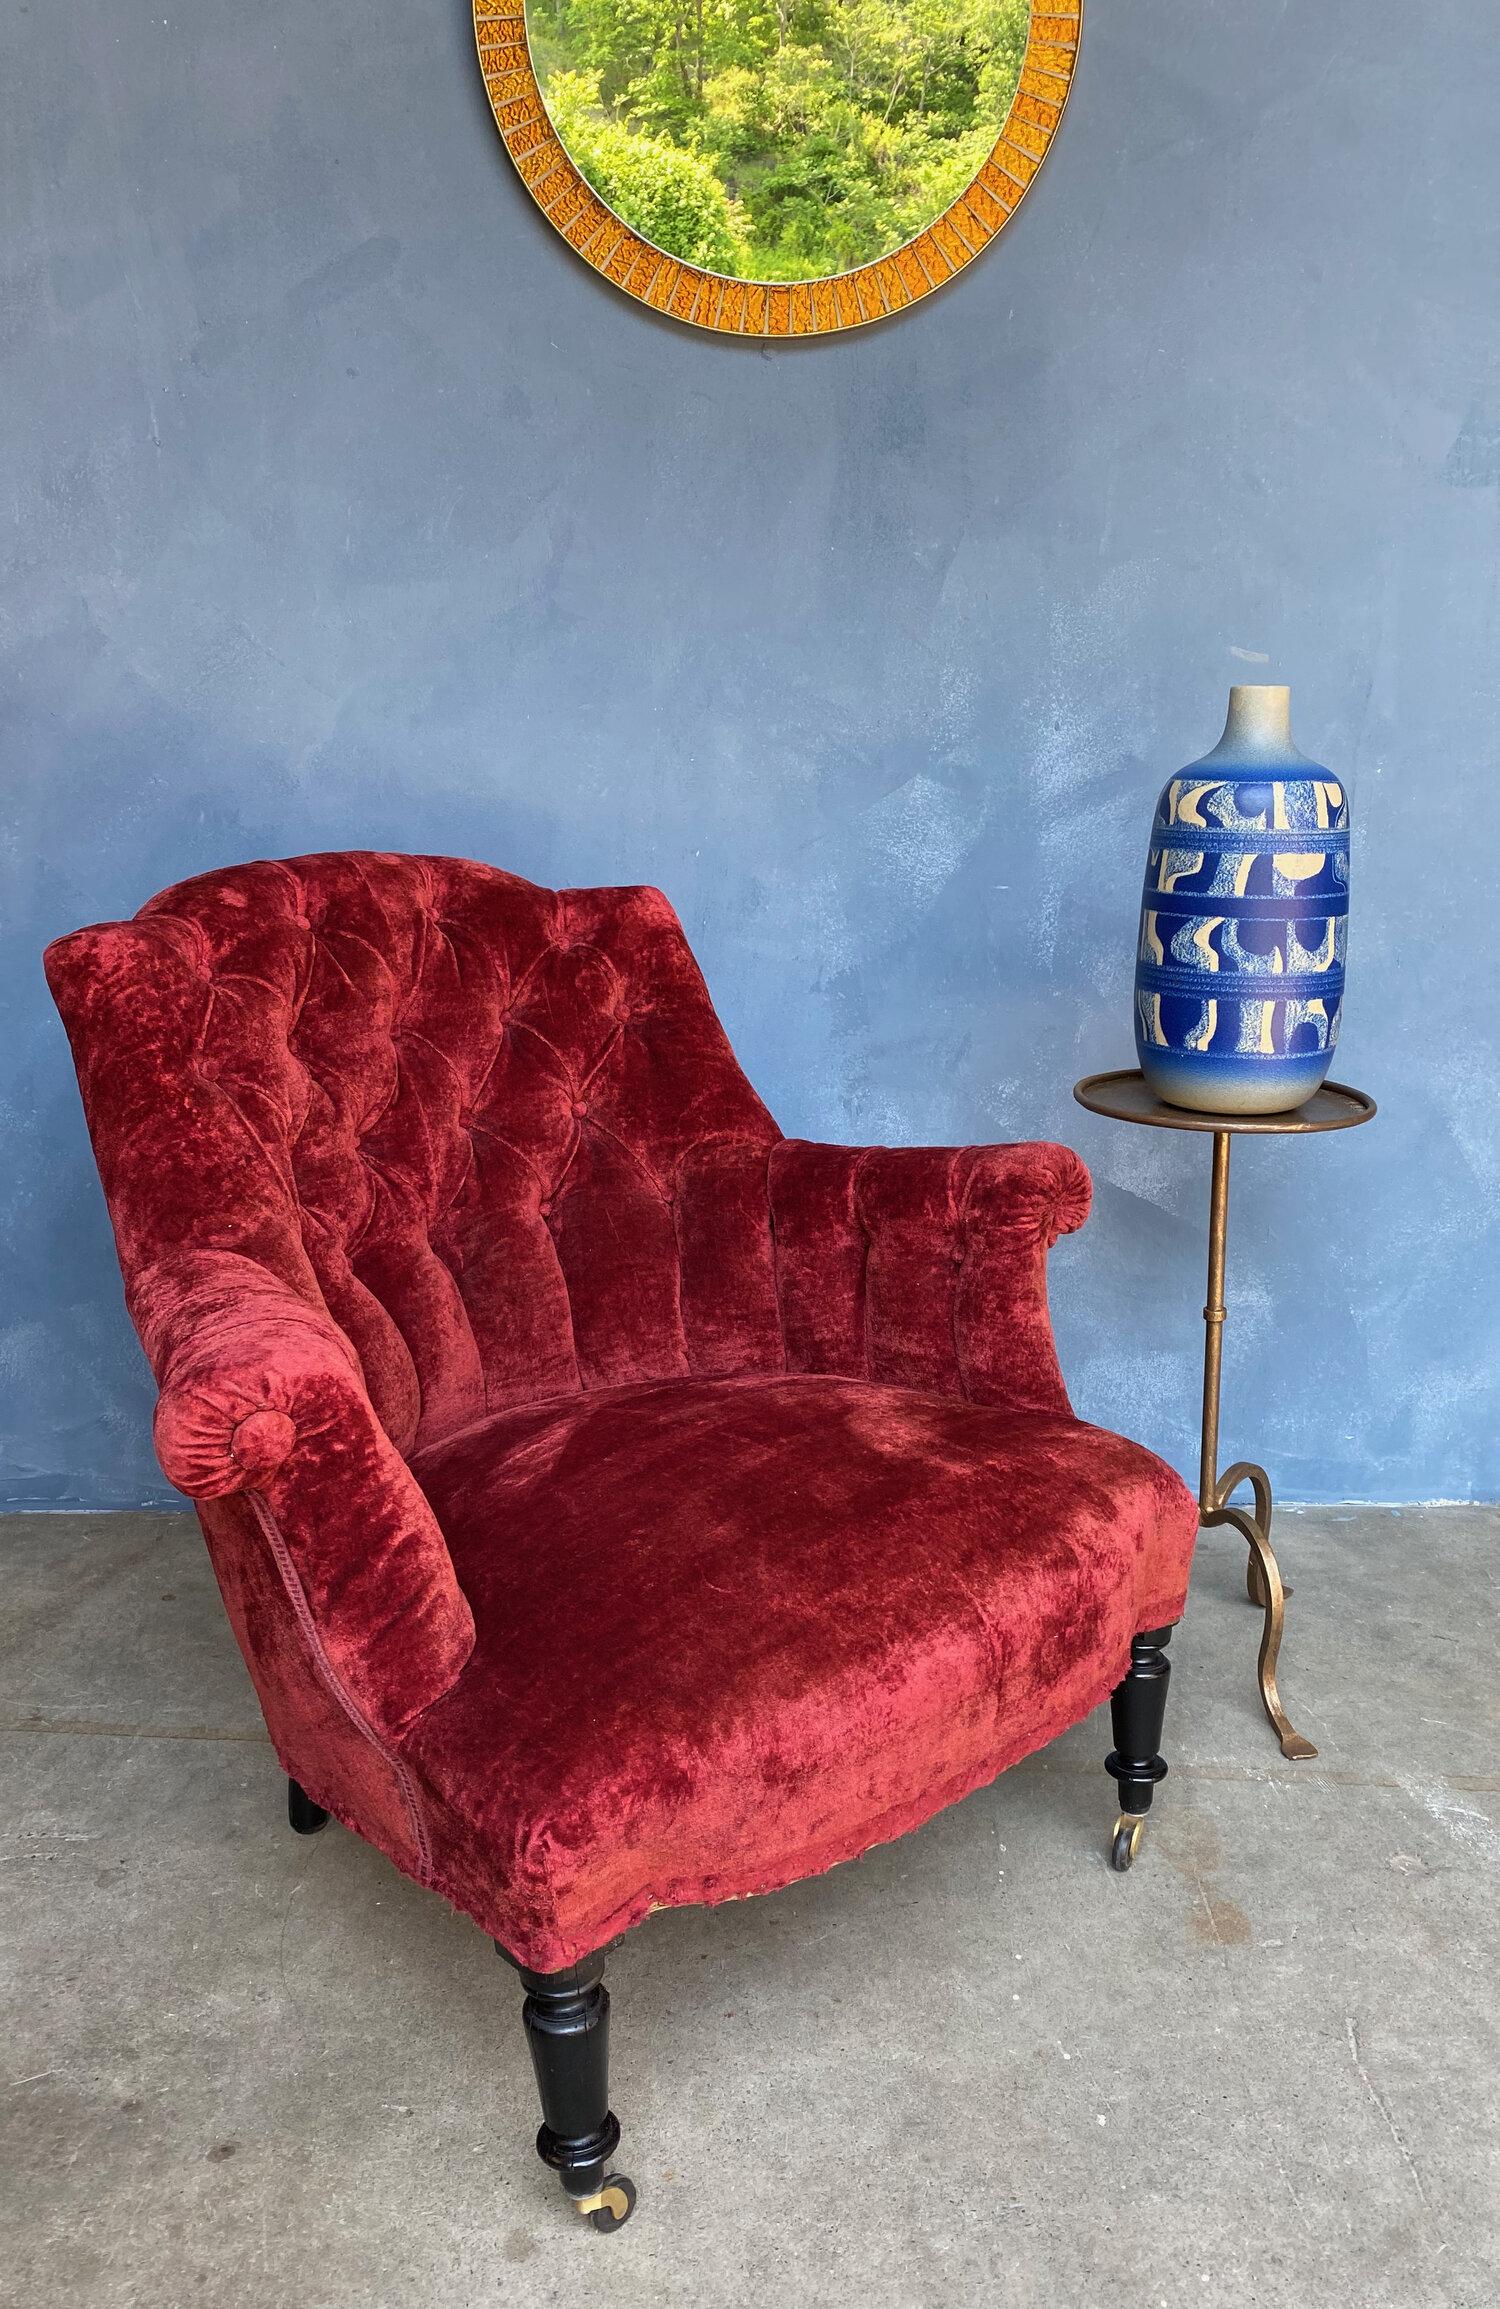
(1240, 959)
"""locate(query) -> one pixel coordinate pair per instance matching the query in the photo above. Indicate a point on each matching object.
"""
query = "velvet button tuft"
(580, 1106)
(545, 1209)
(260, 1442)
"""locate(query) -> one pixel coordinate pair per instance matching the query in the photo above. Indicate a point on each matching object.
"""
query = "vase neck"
(1259, 725)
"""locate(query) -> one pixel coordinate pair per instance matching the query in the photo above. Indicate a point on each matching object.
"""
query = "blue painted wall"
(344, 506)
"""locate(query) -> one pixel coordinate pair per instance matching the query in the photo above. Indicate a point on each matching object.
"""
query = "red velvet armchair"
(617, 1503)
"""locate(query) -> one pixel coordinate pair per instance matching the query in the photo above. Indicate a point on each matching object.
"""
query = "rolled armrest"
(262, 1393)
(925, 1266)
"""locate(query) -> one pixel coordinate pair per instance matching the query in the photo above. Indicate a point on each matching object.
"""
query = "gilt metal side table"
(1335, 1107)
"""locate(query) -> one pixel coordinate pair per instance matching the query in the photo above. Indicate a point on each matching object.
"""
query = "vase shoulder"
(1259, 797)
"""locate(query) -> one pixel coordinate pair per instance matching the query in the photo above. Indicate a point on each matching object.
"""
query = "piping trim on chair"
(296, 1596)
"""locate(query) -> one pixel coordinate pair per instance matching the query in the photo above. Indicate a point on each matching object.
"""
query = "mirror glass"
(778, 140)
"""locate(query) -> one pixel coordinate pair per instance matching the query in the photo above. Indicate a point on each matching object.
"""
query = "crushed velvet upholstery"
(617, 1503)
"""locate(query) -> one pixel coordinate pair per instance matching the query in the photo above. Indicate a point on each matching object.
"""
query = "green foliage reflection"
(778, 140)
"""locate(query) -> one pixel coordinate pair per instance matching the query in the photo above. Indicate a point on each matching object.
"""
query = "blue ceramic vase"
(1240, 964)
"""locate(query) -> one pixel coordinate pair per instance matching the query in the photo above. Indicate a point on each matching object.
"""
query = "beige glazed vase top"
(1239, 976)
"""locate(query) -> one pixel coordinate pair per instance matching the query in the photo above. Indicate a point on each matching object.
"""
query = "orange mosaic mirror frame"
(757, 308)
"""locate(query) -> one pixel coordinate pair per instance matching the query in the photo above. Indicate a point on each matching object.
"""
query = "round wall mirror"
(777, 167)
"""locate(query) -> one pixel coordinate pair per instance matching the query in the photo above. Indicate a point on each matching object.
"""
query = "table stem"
(1213, 1322)
(1263, 1580)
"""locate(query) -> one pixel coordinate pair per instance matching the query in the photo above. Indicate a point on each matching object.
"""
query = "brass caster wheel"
(612, 2205)
(1129, 1829)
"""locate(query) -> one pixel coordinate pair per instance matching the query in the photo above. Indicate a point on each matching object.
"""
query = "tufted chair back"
(497, 1131)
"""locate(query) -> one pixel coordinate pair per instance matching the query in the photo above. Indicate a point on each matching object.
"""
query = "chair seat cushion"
(732, 1631)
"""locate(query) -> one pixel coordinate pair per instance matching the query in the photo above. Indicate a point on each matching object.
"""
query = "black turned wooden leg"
(566, 2018)
(305, 1816)
(1138, 1707)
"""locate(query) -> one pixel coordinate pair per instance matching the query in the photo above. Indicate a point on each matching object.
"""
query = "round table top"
(1125, 1096)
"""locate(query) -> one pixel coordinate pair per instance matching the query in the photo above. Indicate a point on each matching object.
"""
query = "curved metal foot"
(1264, 1586)
(1255, 1588)
(1245, 1471)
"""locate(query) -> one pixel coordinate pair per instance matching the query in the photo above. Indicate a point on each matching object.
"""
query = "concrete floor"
(975, 2068)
